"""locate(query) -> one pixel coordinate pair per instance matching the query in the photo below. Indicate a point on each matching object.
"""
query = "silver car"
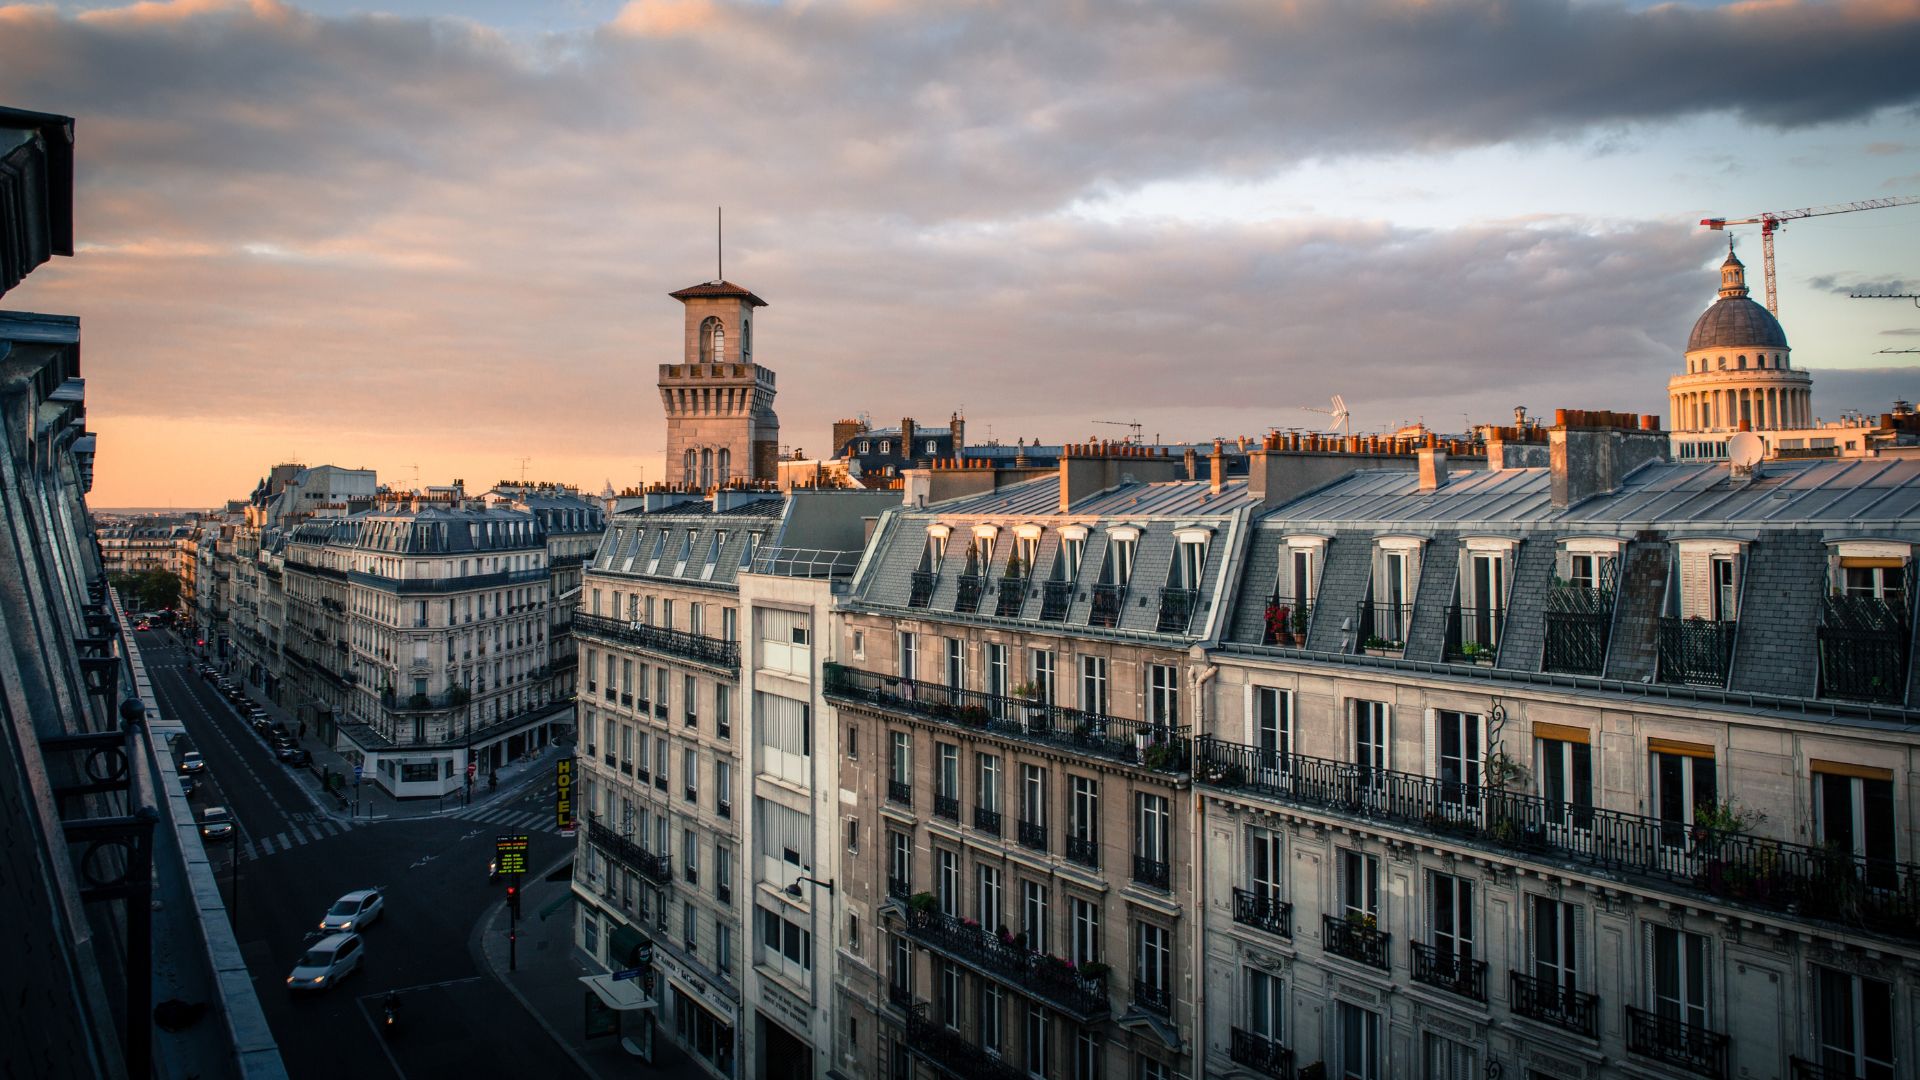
(326, 962)
(354, 911)
(216, 823)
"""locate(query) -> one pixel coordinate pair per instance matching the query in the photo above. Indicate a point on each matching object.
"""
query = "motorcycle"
(493, 870)
(390, 1016)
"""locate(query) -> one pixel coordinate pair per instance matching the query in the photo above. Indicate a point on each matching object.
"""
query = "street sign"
(630, 973)
(511, 853)
(643, 953)
(356, 774)
(563, 794)
(568, 831)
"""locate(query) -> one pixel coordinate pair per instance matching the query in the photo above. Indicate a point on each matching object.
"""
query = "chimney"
(844, 431)
(1219, 463)
(1592, 452)
(906, 437)
(1433, 469)
(1192, 461)
(958, 425)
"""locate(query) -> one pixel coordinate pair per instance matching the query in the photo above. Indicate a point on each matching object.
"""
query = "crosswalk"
(518, 820)
(303, 828)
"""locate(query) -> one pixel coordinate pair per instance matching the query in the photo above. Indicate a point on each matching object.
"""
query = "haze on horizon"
(440, 238)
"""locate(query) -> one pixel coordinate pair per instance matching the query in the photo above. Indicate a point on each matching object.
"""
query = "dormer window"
(1121, 546)
(1190, 558)
(886, 446)
(932, 447)
(1073, 552)
(866, 447)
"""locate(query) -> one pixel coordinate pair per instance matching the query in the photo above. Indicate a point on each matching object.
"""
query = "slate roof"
(1736, 322)
(722, 290)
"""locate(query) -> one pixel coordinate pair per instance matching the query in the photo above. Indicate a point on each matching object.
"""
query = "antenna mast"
(719, 243)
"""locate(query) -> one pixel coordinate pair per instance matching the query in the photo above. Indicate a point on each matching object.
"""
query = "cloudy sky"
(437, 236)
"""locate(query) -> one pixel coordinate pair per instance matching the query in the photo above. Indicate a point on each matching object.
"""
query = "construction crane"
(1131, 425)
(1340, 419)
(1774, 221)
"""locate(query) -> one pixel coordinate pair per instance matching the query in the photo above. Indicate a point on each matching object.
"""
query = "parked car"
(261, 724)
(326, 962)
(293, 755)
(191, 762)
(355, 911)
(280, 740)
(216, 823)
(188, 785)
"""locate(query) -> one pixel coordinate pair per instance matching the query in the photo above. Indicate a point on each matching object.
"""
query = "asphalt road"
(294, 857)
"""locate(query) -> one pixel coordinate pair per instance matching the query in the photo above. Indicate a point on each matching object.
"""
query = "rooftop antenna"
(1341, 419)
(719, 243)
(523, 470)
(1896, 351)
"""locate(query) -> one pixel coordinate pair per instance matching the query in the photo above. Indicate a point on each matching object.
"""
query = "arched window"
(1742, 363)
(1723, 363)
(713, 340)
(746, 339)
(687, 473)
(726, 467)
(706, 468)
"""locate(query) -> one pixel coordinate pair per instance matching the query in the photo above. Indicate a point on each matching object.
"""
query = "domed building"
(1738, 368)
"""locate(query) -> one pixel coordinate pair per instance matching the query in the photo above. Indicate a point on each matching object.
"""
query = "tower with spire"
(721, 425)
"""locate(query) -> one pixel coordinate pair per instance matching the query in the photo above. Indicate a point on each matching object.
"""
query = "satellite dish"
(1745, 450)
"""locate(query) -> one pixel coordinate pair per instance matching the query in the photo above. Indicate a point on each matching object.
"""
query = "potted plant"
(921, 903)
(1035, 698)
(974, 715)
(1095, 971)
(1727, 817)
(1161, 756)
(1501, 769)
(1379, 646)
(1280, 629)
(1363, 922)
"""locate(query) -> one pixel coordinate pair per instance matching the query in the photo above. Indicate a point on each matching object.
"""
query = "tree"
(149, 590)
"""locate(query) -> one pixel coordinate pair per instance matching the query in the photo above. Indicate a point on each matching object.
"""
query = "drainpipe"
(1198, 885)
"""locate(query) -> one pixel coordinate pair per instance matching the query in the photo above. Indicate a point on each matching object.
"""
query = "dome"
(1735, 321)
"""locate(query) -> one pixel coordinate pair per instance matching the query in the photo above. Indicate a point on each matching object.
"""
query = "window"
(723, 873)
(1853, 811)
(690, 927)
(1264, 860)
(900, 861)
(900, 964)
(1447, 1059)
(1033, 914)
(947, 884)
(1163, 694)
(1455, 756)
(1039, 1057)
(1450, 915)
(690, 700)
(1093, 685)
(1073, 552)
(1266, 1000)
(1040, 669)
(1880, 579)
(1273, 730)
(1359, 1042)
(723, 787)
(1299, 584)
(1725, 599)
(997, 675)
(908, 655)
(1564, 762)
(1553, 927)
(1084, 817)
(1119, 568)
(723, 946)
(853, 834)
(950, 983)
(786, 947)
(1855, 1024)
(1359, 884)
(1683, 778)
(1189, 561)
(947, 772)
(990, 898)
(1369, 740)
(987, 792)
(1676, 975)
(990, 1007)
(690, 774)
(1087, 1045)
(1152, 821)
(1033, 794)
(900, 762)
(956, 669)
(1086, 931)
(1487, 596)
(785, 734)
(1153, 959)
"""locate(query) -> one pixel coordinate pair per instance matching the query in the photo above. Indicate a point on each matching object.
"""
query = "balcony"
(1013, 594)
(1551, 1003)
(900, 792)
(1046, 979)
(1263, 912)
(1152, 746)
(1862, 645)
(1176, 610)
(696, 647)
(1382, 627)
(1107, 603)
(1084, 851)
(946, 806)
(1578, 627)
(1879, 895)
(1810, 1070)
(922, 594)
(1055, 598)
(972, 586)
(1261, 1054)
(1153, 999)
(1286, 622)
(1695, 652)
(1153, 873)
(950, 1052)
(1699, 1051)
(1033, 836)
(1473, 634)
(987, 821)
(655, 868)
(899, 888)
(1450, 971)
(1357, 940)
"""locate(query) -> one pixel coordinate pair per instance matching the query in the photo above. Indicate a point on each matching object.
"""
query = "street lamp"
(793, 887)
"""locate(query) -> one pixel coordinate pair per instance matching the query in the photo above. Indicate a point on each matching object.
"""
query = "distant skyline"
(440, 235)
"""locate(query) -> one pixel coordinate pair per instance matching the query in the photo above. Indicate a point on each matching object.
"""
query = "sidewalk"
(547, 982)
(370, 802)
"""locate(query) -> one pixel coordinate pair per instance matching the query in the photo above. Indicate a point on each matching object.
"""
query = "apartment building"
(573, 525)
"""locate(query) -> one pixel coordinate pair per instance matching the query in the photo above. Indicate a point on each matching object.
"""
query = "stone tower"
(719, 403)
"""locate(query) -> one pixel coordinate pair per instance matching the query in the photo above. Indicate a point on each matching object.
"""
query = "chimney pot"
(1433, 469)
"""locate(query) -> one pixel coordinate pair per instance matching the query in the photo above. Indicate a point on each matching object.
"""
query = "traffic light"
(513, 900)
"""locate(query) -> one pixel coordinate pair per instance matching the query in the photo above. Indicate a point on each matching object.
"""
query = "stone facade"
(721, 427)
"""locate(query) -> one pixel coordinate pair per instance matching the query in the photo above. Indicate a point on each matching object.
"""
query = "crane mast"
(1773, 221)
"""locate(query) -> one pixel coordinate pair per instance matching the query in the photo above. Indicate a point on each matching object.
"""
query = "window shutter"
(1579, 947)
(1253, 705)
(1386, 735)
(1340, 883)
(1645, 996)
(1432, 743)
(1531, 950)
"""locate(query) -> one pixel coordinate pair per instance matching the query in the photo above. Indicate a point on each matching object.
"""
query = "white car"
(216, 823)
(192, 762)
(354, 911)
(326, 962)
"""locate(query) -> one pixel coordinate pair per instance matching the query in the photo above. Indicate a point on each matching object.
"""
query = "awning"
(624, 995)
(623, 942)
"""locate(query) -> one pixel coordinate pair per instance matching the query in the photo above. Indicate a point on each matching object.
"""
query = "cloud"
(1871, 390)
(1909, 331)
(1833, 283)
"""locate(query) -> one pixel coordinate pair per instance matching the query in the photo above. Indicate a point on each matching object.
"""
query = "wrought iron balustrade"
(921, 594)
(1033, 835)
(680, 643)
(899, 792)
(1880, 895)
(972, 586)
(1108, 601)
(986, 820)
(1263, 912)
(899, 888)
(1356, 940)
(1045, 978)
(1013, 593)
(1450, 971)
(1153, 998)
(1151, 872)
(1083, 850)
(951, 1052)
(1287, 621)
(1695, 652)
(1862, 646)
(1551, 1003)
(1176, 609)
(1473, 634)
(1579, 625)
(946, 806)
(1055, 598)
(1261, 1054)
(1676, 1042)
(1382, 626)
(655, 868)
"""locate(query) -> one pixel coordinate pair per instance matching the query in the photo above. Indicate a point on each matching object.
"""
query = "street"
(295, 851)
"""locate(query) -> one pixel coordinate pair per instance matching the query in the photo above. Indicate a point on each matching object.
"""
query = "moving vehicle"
(294, 755)
(216, 823)
(191, 762)
(329, 960)
(354, 911)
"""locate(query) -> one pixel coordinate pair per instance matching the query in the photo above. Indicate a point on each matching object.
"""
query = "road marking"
(420, 862)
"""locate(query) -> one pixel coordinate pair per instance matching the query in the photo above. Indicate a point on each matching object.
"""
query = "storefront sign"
(563, 794)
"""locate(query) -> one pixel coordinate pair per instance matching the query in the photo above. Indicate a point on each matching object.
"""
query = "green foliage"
(148, 590)
(1727, 817)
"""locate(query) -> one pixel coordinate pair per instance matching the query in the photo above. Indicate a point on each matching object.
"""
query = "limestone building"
(721, 427)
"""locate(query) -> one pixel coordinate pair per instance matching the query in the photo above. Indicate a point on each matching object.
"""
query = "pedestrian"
(303, 729)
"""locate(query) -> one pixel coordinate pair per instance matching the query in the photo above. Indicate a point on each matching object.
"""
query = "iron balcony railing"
(1033, 835)
(1107, 603)
(1450, 971)
(413, 586)
(1383, 626)
(1473, 634)
(1150, 872)
(1579, 624)
(1263, 912)
(1863, 643)
(1044, 978)
(1261, 1054)
(697, 647)
(1287, 621)
(1550, 1003)
(899, 888)
(1879, 895)
(946, 806)
(1013, 594)
(1356, 940)
(1813, 1070)
(972, 587)
(1158, 747)
(1676, 1042)
(900, 792)
(922, 592)
(1083, 850)
(1055, 598)
(986, 820)
(1695, 652)
(951, 1052)
(655, 868)
(1176, 609)
(1155, 999)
